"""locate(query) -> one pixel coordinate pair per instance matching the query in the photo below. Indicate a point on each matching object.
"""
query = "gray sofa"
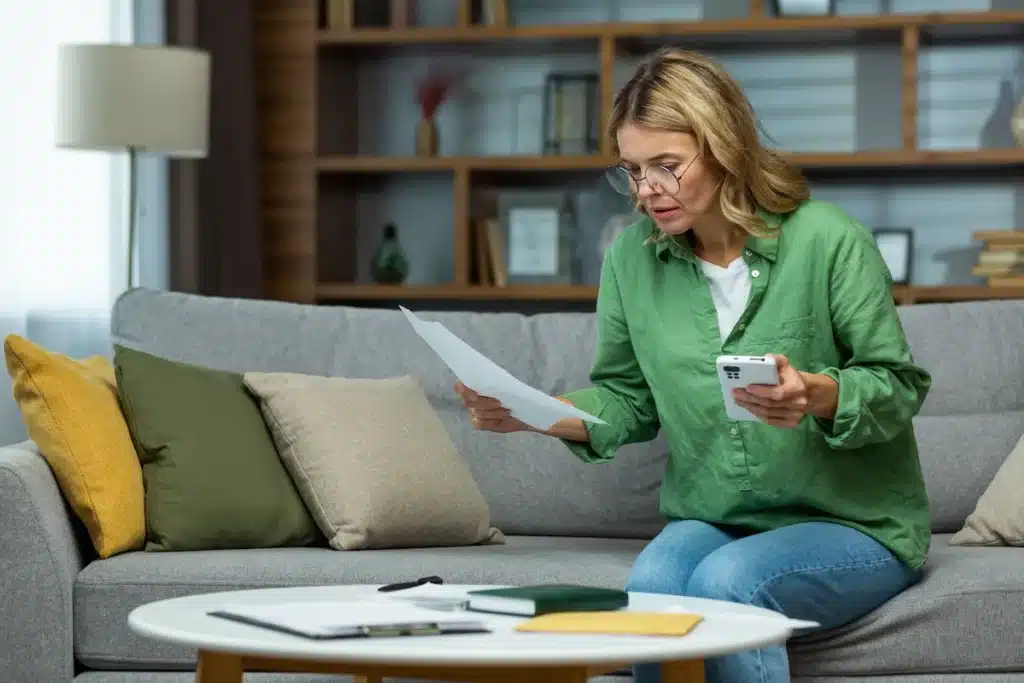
(64, 613)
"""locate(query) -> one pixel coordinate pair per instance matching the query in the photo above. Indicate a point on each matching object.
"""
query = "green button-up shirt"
(820, 295)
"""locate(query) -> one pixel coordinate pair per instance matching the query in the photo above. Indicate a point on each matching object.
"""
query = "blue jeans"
(822, 572)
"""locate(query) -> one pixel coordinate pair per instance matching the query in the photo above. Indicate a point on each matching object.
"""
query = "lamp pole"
(133, 218)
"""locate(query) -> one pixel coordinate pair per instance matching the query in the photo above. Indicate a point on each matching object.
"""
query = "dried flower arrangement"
(434, 88)
(430, 94)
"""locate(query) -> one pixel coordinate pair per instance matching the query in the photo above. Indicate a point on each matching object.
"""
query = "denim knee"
(656, 573)
(720, 580)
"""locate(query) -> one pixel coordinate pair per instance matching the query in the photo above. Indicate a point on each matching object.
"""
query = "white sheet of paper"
(484, 376)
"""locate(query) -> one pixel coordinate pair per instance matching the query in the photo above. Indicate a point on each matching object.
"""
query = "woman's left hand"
(782, 405)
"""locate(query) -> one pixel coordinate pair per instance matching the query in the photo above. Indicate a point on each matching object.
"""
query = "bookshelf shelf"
(881, 159)
(752, 29)
(340, 292)
(323, 189)
(349, 292)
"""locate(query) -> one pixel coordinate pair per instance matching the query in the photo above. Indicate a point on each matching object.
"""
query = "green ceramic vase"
(390, 266)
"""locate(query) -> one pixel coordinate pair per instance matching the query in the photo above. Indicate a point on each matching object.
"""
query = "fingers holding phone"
(762, 388)
(782, 403)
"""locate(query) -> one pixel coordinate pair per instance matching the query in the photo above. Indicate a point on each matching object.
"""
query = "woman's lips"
(666, 212)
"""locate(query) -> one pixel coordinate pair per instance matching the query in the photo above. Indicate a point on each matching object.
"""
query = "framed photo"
(803, 8)
(538, 232)
(571, 113)
(897, 247)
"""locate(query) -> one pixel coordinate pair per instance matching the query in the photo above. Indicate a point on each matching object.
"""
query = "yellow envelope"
(617, 623)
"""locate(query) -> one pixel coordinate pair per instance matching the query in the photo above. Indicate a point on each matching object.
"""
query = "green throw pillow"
(212, 474)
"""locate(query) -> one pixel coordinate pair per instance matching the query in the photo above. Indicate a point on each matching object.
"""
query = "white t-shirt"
(730, 287)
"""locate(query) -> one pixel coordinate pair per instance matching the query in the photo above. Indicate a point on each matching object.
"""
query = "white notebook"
(350, 619)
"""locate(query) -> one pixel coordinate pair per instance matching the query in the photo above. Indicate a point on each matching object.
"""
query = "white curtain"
(61, 211)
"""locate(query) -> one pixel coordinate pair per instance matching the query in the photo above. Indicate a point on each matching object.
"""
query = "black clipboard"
(396, 630)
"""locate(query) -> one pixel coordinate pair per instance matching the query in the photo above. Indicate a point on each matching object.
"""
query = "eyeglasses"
(661, 179)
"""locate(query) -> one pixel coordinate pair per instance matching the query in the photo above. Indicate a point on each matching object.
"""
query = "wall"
(821, 97)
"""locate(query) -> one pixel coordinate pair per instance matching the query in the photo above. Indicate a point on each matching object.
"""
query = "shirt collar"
(766, 247)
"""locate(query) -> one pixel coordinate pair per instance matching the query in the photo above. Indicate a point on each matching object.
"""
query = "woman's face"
(643, 152)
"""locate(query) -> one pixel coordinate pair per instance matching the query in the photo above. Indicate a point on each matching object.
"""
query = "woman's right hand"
(487, 414)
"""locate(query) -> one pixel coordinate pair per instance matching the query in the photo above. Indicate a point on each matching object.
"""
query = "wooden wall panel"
(286, 57)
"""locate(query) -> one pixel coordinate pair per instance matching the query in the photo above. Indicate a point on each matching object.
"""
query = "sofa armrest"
(40, 557)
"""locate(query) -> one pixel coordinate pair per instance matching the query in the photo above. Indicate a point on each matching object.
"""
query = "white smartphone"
(740, 372)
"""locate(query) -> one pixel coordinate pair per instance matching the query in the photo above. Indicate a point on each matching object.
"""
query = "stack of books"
(1001, 260)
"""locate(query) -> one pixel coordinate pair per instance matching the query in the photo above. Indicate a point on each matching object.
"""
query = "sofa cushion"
(964, 615)
(212, 474)
(107, 591)
(965, 590)
(960, 455)
(71, 411)
(250, 677)
(372, 461)
(974, 413)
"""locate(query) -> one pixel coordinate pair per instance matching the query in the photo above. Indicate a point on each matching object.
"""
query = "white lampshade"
(150, 97)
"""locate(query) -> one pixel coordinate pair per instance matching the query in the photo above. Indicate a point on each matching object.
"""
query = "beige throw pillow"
(998, 517)
(373, 462)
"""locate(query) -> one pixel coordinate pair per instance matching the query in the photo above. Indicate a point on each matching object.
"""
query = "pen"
(391, 587)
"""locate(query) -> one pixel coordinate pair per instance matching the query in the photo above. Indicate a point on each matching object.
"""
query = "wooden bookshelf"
(312, 171)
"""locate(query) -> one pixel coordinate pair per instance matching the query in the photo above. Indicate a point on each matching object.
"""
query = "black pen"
(392, 587)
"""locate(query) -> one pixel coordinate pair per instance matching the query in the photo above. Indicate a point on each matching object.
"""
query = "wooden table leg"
(559, 675)
(216, 667)
(688, 671)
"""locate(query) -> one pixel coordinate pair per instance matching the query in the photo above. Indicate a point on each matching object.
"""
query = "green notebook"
(547, 598)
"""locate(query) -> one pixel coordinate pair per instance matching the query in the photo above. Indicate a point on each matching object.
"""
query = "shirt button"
(733, 431)
(749, 253)
(742, 326)
(755, 273)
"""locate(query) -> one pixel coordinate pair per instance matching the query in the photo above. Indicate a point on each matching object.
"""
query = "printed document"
(484, 376)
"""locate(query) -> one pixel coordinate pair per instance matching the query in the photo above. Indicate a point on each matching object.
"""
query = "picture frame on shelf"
(897, 248)
(538, 235)
(572, 113)
(489, 13)
(802, 8)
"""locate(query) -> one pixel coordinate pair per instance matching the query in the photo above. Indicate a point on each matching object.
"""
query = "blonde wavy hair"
(681, 91)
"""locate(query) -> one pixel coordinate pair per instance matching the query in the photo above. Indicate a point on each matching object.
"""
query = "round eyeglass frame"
(618, 176)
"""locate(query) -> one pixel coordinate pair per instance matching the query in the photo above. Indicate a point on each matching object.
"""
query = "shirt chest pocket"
(792, 337)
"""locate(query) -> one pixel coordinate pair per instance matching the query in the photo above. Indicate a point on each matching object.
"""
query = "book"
(349, 619)
(614, 623)
(546, 598)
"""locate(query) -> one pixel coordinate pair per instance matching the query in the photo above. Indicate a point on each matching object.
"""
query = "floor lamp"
(133, 99)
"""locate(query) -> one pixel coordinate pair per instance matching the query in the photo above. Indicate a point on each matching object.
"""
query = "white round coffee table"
(226, 649)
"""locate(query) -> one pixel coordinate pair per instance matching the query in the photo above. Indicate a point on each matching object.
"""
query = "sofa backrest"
(974, 414)
(970, 421)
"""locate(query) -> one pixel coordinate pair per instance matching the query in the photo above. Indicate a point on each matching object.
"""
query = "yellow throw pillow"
(70, 409)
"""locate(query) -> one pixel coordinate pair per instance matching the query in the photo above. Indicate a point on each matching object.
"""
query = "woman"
(817, 509)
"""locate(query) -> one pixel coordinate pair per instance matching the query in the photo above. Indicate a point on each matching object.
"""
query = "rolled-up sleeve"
(620, 395)
(881, 388)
